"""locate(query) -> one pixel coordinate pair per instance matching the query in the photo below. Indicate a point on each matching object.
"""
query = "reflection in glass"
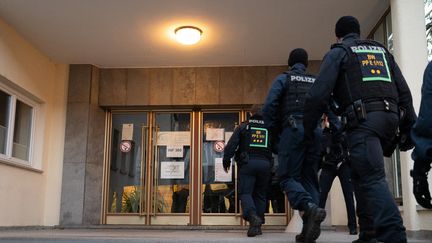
(4, 119)
(218, 196)
(173, 161)
(125, 167)
(22, 131)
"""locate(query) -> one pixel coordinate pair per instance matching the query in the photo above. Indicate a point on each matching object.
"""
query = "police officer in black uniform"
(250, 143)
(365, 81)
(297, 172)
(422, 137)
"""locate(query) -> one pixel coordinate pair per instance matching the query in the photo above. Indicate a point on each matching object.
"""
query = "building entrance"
(165, 168)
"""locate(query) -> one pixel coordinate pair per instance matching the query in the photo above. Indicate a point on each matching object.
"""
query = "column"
(410, 50)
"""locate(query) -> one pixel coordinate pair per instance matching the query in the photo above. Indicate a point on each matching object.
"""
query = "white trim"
(34, 156)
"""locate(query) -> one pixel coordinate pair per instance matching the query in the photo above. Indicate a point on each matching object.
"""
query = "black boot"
(313, 217)
(254, 226)
(366, 237)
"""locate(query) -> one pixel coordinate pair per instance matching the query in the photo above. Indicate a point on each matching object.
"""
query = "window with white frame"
(17, 118)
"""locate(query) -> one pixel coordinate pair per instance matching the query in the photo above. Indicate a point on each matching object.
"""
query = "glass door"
(219, 204)
(171, 160)
(127, 169)
(165, 168)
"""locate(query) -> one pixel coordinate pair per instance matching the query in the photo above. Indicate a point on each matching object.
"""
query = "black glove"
(226, 165)
(421, 186)
(405, 142)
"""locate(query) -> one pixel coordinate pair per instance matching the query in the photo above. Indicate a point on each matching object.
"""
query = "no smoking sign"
(219, 146)
(125, 146)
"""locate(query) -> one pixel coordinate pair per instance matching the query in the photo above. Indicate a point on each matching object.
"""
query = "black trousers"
(328, 174)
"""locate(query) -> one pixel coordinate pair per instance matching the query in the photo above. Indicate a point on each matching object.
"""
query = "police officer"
(250, 143)
(335, 163)
(422, 136)
(297, 172)
(365, 81)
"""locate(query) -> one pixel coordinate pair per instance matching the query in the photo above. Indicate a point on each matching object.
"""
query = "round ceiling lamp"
(188, 35)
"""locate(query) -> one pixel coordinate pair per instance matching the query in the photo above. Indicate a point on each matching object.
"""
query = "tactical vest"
(366, 75)
(297, 85)
(255, 139)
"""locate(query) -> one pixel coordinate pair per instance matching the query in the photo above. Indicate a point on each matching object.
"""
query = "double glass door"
(165, 168)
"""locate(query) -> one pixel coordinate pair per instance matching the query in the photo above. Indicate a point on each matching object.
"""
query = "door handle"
(144, 143)
(156, 169)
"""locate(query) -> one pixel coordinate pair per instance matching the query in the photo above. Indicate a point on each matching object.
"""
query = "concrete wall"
(31, 197)
(83, 158)
(188, 86)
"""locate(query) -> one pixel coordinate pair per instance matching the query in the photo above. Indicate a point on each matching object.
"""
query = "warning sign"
(219, 146)
(125, 146)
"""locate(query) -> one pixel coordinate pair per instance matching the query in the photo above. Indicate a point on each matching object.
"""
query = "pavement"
(168, 235)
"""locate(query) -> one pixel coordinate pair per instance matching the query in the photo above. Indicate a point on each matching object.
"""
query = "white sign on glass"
(172, 170)
(174, 138)
(127, 132)
(174, 151)
(215, 134)
(220, 174)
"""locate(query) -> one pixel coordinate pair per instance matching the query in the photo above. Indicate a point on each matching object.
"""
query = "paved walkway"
(111, 235)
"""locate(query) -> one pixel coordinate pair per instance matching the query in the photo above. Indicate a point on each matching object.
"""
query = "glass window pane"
(379, 34)
(173, 163)
(125, 168)
(389, 34)
(4, 119)
(22, 131)
(218, 191)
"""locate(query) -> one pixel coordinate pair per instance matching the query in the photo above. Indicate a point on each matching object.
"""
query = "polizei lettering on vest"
(256, 121)
(302, 79)
(367, 48)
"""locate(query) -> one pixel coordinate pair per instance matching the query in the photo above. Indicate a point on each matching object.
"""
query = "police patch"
(373, 65)
(259, 137)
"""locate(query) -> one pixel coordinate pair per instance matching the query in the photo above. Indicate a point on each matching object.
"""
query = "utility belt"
(357, 112)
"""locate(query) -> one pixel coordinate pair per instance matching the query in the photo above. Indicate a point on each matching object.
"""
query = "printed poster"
(172, 170)
(127, 132)
(174, 138)
(220, 174)
(215, 134)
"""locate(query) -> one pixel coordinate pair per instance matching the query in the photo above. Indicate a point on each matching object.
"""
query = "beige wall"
(30, 197)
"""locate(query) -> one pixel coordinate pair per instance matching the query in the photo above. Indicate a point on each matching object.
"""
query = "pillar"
(410, 51)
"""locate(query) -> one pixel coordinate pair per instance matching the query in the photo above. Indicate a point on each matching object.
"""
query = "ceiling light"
(188, 35)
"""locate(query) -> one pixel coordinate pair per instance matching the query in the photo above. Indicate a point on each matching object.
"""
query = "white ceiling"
(137, 33)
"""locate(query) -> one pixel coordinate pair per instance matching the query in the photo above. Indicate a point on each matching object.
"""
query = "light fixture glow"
(188, 35)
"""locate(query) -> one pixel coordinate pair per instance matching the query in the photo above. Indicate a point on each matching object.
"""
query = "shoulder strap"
(349, 52)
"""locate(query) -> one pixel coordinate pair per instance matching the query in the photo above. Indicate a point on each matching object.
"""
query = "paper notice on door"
(215, 134)
(228, 136)
(174, 138)
(220, 174)
(172, 170)
(127, 131)
(174, 151)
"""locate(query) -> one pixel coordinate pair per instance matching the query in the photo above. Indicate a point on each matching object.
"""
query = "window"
(383, 33)
(17, 122)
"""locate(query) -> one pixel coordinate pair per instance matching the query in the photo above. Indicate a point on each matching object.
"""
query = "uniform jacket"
(318, 96)
(422, 130)
(274, 104)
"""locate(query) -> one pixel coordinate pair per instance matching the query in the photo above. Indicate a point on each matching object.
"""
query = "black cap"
(298, 55)
(347, 25)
